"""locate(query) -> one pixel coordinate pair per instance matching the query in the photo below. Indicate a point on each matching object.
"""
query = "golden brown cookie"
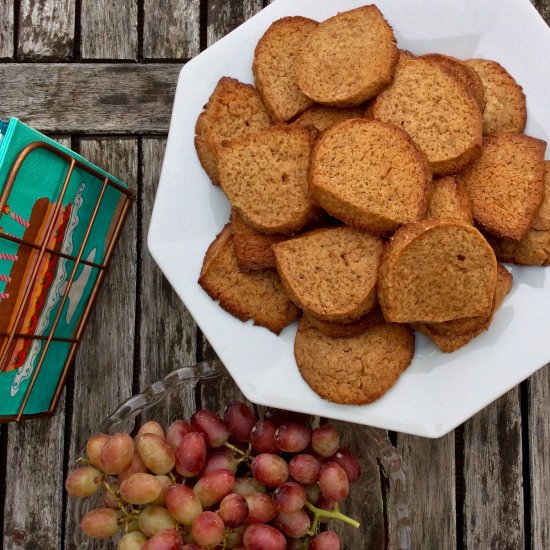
(257, 295)
(449, 199)
(348, 58)
(505, 110)
(438, 112)
(322, 118)
(274, 67)
(435, 271)
(506, 184)
(355, 370)
(345, 330)
(369, 174)
(233, 110)
(331, 273)
(451, 342)
(265, 177)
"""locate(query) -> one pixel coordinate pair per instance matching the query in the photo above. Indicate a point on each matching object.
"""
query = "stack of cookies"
(372, 193)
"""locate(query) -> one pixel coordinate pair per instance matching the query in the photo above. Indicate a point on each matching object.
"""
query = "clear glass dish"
(379, 500)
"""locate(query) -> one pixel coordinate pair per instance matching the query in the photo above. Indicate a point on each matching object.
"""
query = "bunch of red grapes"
(238, 483)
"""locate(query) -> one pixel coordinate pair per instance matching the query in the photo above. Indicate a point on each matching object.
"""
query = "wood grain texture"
(539, 459)
(493, 499)
(109, 29)
(104, 363)
(171, 29)
(225, 16)
(6, 29)
(91, 98)
(46, 30)
(543, 7)
(168, 334)
(33, 510)
(430, 469)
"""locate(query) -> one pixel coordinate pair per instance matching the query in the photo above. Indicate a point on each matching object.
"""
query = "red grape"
(117, 453)
(135, 467)
(294, 525)
(349, 462)
(224, 459)
(240, 420)
(156, 454)
(140, 489)
(305, 468)
(328, 540)
(208, 529)
(263, 537)
(234, 537)
(280, 416)
(84, 482)
(168, 539)
(246, 485)
(151, 427)
(132, 541)
(94, 446)
(334, 481)
(325, 440)
(176, 432)
(213, 486)
(211, 425)
(289, 497)
(165, 483)
(191, 454)
(233, 510)
(313, 492)
(262, 437)
(154, 519)
(269, 469)
(183, 504)
(191, 547)
(261, 508)
(292, 437)
(101, 523)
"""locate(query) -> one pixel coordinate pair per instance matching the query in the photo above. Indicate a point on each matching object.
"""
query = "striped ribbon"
(19, 220)
(5, 278)
(4, 295)
(5, 256)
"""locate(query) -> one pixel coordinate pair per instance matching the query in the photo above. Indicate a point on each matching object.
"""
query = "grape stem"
(115, 495)
(245, 455)
(335, 514)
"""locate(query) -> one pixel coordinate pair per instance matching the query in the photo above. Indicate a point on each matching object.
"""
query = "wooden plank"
(91, 98)
(109, 29)
(539, 458)
(543, 7)
(104, 363)
(34, 492)
(46, 30)
(168, 334)
(35, 522)
(430, 469)
(493, 500)
(171, 29)
(6, 29)
(225, 16)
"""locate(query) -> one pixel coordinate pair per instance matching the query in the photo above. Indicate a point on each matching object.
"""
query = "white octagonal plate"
(438, 391)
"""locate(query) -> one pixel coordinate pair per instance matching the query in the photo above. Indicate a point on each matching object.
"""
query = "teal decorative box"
(60, 217)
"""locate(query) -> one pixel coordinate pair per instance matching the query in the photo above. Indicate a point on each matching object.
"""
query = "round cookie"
(437, 110)
(505, 110)
(331, 273)
(345, 330)
(435, 271)
(348, 58)
(369, 174)
(355, 370)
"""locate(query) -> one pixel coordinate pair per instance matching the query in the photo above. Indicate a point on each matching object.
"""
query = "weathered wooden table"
(100, 75)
